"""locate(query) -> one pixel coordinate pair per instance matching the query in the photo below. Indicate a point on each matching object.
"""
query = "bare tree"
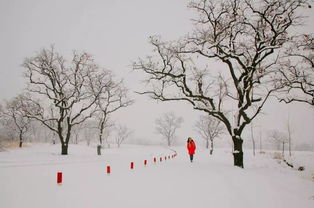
(289, 130)
(279, 138)
(104, 127)
(66, 95)
(90, 127)
(113, 97)
(296, 72)
(14, 111)
(77, 131)
(122, 134)
(260, 140)
(209, 128)
(7, 128)
(107, 131)
(5, 125)
(253, 140)
(167, 125)
(240, 41)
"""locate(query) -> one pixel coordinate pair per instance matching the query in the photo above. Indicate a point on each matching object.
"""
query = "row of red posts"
(59, 174)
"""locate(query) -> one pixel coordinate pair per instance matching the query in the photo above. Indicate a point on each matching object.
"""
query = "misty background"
(115, 33)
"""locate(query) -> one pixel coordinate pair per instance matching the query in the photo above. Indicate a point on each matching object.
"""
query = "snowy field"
(28, 179)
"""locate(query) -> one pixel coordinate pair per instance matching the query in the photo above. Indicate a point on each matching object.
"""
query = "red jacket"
(191, 147)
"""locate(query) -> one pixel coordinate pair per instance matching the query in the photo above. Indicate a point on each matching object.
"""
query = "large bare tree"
(209, 128)
(225, 67)
(63, 93)
(167, 125)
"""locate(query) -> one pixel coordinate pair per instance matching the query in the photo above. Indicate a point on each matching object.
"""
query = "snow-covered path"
(28, 179)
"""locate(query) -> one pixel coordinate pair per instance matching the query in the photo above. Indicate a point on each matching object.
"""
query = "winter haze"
(116, 33)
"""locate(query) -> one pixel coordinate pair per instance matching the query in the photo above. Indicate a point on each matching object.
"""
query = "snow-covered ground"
(28, 179)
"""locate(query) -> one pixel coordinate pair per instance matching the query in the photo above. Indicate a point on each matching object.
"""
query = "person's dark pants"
(191, 157)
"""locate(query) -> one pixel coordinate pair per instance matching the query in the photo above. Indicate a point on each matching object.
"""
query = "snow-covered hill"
(28, 179)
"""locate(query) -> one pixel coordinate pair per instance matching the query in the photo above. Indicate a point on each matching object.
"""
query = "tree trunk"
(211, 146)
(260, 142)
(207, 143)
(21, 141)
(64, 146)
(169, 142)
(238, 152)
(100, 138)
(283, 149)
(101, 132)
(98, 149)
(289, 146)
(289, 134)
(253, 141)
(289, 142)
(64, 149)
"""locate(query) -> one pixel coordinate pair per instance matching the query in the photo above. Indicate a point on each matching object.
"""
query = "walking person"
(191, 148)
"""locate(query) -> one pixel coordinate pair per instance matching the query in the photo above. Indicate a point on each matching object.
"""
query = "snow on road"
(28, 179)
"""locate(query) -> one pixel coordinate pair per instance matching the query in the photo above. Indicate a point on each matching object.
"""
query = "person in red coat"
(191, 148)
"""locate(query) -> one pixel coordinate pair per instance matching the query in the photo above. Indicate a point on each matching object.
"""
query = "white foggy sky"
(116, 33)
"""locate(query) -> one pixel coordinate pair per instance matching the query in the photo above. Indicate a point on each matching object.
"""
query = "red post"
(59, 177)
(168, 157)
(155, 160)
(145, 162)
(165, 157)
(160, 159)
(108, 169)
(132, 165)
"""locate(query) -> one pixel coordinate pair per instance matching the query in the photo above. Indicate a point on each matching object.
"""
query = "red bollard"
(59, 178)
(168, 157)
(155, 160)
(165, 157)
(160, 159)
(145, 162)
(132, 165)
(108, 170)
